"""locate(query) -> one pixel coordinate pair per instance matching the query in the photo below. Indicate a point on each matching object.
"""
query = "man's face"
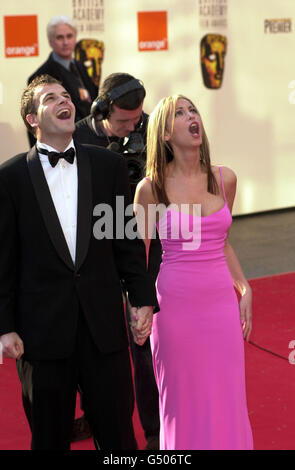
(122, 121)
(55, 113)
(63, 41)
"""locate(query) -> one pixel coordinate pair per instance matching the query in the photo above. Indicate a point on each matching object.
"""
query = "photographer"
(118, 122)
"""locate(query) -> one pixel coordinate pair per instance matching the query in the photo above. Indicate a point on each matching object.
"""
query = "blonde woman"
(197, 336)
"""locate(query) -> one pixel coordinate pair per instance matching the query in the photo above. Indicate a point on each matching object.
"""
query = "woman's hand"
(246, 313)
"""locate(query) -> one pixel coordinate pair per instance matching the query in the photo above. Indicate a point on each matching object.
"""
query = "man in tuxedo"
(62, 36)
(61, 310)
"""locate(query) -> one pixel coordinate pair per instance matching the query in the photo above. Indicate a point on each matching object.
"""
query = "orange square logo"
(152, 30)
(21, 36)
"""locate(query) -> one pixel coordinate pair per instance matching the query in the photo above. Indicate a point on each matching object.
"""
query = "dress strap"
(222, 184)
(148, 178)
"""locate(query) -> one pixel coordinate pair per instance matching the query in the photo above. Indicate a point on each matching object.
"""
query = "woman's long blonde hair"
(159, 151)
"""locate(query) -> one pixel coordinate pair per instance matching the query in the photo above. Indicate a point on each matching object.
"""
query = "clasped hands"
(141, 321)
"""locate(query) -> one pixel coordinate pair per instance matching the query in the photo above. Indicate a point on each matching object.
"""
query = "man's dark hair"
(131, 100)
(27, 99)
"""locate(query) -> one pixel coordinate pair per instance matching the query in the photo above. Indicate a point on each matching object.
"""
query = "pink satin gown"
(197, 341)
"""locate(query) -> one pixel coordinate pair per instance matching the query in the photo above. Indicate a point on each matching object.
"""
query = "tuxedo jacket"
(70, 83)
(41, 289)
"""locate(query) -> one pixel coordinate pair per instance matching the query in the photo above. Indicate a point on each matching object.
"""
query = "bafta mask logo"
(213, 50)
(91, 53)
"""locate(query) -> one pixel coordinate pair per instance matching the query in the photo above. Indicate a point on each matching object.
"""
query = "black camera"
(134, 151)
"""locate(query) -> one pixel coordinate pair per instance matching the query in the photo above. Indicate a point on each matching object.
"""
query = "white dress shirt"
(63, 185)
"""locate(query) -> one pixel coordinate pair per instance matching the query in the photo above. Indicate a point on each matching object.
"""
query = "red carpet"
(270, 376)
(274, 308)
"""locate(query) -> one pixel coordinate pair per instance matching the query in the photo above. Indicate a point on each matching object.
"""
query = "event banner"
(21, 36)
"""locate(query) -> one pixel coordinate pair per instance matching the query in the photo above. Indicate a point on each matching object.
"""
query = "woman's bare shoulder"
(144, 190)
(228, 175)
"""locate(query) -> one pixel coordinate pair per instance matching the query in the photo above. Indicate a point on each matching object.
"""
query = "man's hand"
(141, 323)
(12, 345)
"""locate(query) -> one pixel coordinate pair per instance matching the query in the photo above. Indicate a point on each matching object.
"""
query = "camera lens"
(135, 168)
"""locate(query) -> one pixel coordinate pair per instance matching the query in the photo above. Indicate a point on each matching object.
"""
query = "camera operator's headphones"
(100, 108)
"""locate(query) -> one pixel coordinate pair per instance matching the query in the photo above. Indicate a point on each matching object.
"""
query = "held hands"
(12, 345)
(246, 313)
(141, 323)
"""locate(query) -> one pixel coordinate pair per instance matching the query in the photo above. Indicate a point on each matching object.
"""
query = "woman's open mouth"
(194, 129)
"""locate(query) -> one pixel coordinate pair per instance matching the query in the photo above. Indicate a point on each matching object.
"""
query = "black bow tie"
(53, 157)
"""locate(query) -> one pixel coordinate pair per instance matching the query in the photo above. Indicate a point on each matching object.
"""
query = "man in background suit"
(62, 36)
(61, 310)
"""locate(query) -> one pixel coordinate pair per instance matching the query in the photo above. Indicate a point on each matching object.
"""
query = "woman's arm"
(145, 211)
(242, 286)
(144, 204)
(238, 277)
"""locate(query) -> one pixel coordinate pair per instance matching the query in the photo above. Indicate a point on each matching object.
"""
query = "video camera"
(133, 148)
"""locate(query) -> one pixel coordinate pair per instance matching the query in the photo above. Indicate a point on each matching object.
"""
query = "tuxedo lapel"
(46, 204)
(84, 217)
